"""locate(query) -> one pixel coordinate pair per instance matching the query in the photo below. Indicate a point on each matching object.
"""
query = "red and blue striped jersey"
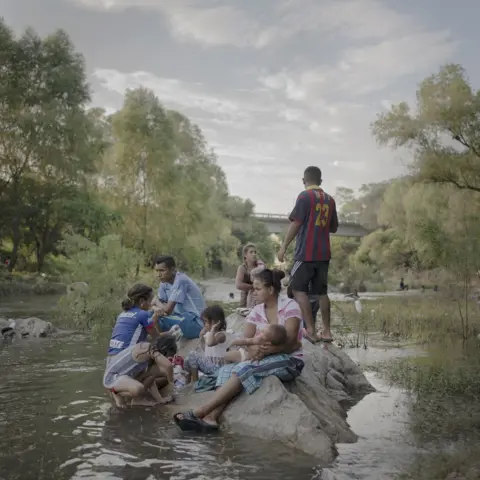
(316, 212)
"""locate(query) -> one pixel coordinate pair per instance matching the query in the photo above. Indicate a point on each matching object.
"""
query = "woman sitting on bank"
(283, 361)
(246, 271)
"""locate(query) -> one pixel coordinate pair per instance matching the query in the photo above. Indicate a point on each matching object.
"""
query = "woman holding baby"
(268, 352)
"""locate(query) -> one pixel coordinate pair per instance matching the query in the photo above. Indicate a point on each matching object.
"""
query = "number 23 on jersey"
(322, 210)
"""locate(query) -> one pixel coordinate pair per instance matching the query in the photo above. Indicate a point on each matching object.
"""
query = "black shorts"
(310, 277)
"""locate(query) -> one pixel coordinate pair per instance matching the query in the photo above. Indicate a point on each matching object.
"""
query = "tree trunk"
(16, 238)
(16, 233)
(40, 255)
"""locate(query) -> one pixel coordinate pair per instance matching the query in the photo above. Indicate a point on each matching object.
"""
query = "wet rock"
(305, 414)
(34, 327)
(27, 327)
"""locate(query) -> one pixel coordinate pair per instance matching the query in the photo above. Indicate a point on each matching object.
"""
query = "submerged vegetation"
(443, 382)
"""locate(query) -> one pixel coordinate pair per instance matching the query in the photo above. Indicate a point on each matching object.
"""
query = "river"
(56, 423)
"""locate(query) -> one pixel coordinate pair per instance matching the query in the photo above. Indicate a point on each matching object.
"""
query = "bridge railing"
(278, 216)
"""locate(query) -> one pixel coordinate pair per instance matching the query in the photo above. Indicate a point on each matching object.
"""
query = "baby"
(273, 334)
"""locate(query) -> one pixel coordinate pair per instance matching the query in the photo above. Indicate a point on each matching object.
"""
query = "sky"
(275, 85)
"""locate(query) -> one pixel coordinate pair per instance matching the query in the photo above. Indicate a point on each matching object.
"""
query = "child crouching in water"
(213, 338)
(140, 368)
(271, 335)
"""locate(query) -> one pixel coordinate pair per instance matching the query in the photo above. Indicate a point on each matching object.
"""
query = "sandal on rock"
(192, 423)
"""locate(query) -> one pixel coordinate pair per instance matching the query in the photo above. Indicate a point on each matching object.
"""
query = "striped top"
(314, 210)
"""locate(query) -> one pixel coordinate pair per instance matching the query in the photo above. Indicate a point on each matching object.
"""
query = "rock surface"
(306, 414)
(25, 327)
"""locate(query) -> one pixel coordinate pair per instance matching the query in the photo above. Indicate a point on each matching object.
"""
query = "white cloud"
(367, 69)
(216, 23)
(303, 111)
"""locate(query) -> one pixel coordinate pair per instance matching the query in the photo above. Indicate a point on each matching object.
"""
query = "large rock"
(306, 414)
(27, 327)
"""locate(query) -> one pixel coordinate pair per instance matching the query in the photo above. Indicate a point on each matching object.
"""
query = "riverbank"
(389, 421)
(15, 284)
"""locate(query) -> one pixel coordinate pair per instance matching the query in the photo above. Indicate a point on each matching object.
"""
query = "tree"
(443, 130)
(45, 132)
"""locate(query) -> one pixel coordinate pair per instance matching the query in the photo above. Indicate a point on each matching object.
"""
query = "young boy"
(273, 334)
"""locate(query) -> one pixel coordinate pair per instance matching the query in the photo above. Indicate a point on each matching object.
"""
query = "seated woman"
(131, 373)
(283, 361)
(250, 267)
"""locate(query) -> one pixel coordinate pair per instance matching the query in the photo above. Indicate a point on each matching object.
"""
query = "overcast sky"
(276, 85)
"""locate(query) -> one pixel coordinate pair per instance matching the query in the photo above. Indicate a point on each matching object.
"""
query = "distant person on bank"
(246, 272)
(179, 301)
(313, 218)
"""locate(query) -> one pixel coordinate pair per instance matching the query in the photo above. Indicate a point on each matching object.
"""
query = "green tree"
(45, 133)
(442, 130)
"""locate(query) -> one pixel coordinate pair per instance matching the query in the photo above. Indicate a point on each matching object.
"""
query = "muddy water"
(56, 423)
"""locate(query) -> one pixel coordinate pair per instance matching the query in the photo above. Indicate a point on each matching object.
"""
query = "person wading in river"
(313, 218)
(246, 271)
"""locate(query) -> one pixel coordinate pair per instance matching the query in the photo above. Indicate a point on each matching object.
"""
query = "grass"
(428, 318)
(444, 385)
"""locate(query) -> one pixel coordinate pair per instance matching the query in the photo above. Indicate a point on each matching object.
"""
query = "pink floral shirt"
(287, 308)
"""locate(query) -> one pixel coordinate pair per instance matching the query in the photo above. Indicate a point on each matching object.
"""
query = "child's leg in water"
(125, 387)
(153, 380)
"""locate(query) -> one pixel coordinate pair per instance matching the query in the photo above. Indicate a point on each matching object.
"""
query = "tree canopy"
(145, 173)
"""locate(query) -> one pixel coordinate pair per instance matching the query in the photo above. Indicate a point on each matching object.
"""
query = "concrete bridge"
(277, 223)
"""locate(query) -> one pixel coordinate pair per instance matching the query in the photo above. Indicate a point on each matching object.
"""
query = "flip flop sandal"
(309, 339)
(326, 340)
(191, 423)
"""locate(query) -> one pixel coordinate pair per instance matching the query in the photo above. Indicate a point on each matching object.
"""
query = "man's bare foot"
(143, 402)
(119, 401)
(326, 336)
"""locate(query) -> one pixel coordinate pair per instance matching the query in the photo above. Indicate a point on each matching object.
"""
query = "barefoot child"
(139, 368)
(272, 334)
(213, 339)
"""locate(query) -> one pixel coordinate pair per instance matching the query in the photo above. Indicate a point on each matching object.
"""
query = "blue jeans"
(190, 324)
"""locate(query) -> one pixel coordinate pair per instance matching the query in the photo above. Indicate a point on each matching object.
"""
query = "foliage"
(443, 130)
(144, 173)
(109, 269)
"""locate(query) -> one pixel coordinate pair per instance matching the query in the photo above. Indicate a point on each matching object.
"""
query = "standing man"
(180, 301)
(313, 218)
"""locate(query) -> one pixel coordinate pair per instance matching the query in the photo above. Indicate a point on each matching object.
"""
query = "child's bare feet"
(166, 399)
(119, 401)
(143, 402)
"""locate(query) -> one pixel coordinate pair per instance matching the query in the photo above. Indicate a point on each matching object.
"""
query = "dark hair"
(271, 278)
(167, 260)
(215, 314)
(165, 345)
(312, 175)
(137, 293)
(278, 335)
